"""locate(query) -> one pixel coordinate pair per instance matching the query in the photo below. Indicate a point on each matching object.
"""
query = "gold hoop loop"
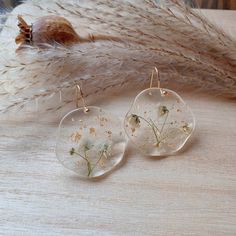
(79, 95)
(158, 78)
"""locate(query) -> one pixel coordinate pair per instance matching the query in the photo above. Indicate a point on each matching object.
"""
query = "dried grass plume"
(115, 44)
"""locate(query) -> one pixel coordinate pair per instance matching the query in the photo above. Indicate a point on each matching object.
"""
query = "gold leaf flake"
(76, 136)
(91, 130)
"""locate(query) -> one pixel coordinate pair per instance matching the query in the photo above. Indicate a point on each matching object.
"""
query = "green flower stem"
(163, 125)
(88, 162)
(157, 139)
(153, 126)
(80, 156)
(89, 168)
(98, 160)
(150, 123)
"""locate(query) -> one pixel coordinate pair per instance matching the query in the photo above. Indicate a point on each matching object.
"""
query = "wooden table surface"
(192, 193)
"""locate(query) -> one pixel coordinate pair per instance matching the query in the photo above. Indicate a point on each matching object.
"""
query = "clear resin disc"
(90, 143)
(159, 122)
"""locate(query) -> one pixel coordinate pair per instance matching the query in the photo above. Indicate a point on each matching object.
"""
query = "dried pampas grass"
(188, 50)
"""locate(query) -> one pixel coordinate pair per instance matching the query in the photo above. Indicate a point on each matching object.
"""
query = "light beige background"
(192, 193)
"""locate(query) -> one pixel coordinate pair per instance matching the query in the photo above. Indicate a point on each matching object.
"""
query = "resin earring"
(90, 140)
(159, 122)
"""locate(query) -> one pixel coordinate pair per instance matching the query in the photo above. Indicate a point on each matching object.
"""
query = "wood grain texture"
(192, 193)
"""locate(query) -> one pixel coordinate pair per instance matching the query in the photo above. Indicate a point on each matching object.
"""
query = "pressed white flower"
(101, 149)
(187, 128)
(162, 110)
(105, 148)
(85, 144)
(134, 121)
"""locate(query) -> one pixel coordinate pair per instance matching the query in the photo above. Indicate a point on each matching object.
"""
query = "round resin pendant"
(159, 122)
(90, 143)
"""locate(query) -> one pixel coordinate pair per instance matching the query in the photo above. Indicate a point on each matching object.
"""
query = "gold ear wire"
(158, 78)
(79, 94)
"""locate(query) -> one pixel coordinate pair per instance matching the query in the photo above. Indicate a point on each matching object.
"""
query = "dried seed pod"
(25, 35)
(50, 29)
(55, 29)
(47, 29)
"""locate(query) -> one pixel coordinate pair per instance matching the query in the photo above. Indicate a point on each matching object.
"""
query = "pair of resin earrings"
(91, 141)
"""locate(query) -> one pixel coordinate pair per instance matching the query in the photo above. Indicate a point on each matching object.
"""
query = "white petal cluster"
(134, 121)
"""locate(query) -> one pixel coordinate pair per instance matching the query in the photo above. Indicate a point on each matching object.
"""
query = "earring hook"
(79, 94)
(158, 78)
